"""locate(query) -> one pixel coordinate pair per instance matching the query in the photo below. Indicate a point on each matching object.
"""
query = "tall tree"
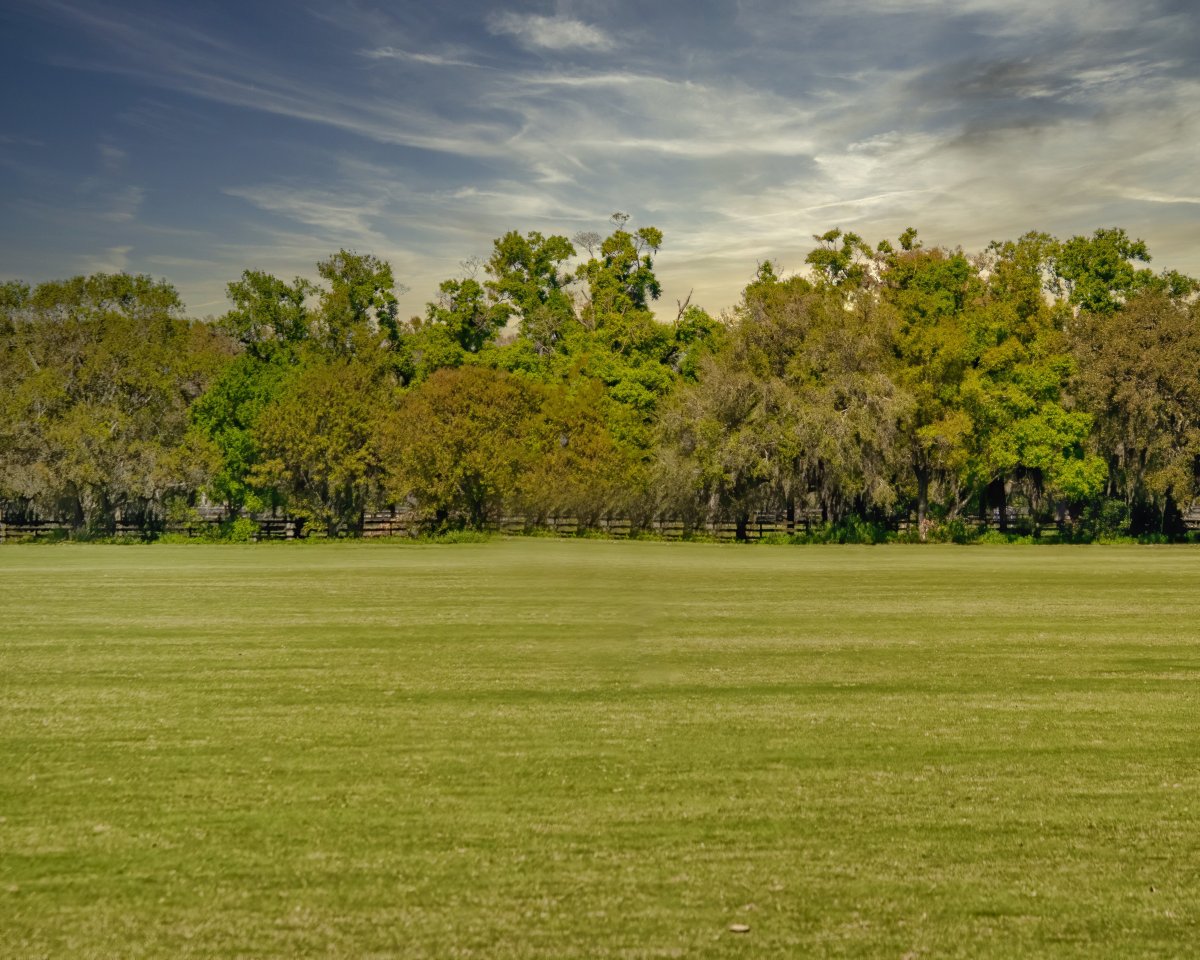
(1099, 273)
(466, 313)
(268, 315)
(102, 371)
(840, 258)
(274, 322)
(458, 446)
(1138, 373)
(1014, 390)
(799, 400)
(928, 290)
(319, 442)
(619, 278)
(358, 314)
(529, 279)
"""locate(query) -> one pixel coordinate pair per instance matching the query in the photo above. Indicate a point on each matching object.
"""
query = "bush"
(850, 529)
(239, 530)
(953, 531)
(995, 536)
(460, 536)
(1102, 521)
(234, 530)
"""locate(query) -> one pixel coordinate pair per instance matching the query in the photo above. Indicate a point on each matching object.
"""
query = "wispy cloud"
(342, 216)
(112, 260)
(1150, 196)
(551, 33)
(421, 132)
(123, 204)
(11, 140)
(112, 157)
(177, 57)
(413, 56)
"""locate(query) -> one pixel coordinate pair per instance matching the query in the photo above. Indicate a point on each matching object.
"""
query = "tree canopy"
(1037, 378)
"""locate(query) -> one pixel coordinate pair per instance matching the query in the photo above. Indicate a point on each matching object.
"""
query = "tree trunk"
(743, 521)
(922, 502)
(1001, 500)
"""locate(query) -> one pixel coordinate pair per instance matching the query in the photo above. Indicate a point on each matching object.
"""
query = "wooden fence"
(277, 526)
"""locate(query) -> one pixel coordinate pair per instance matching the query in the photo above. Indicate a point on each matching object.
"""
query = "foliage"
(320, 443)
(226, 415)
(849, 529)
(358, 310)
(1037, 380)
(799, 399)
(844, 263)
(1138, 371)
(469, 319)
(459, 446)
(528, 280)
(1097, 274)
(268, 315)
(98, 376)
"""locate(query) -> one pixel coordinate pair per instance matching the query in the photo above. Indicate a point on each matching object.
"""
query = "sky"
(193, 141)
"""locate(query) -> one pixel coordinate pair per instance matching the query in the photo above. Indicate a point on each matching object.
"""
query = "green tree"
(797, 401)
(268, 314)
(1099, 273)
(459, 445)
(358, 313)
(577, 468)
(620, 279)
(100, 373)
(273, 321)
(529, 280)
(466, 313)
(928, 290)
(851, 409)
(840, 259)
(1014, 390)
(281, 327)
(226, 415)
(1137, 372)
(620, 342)
(729, 439)
(319, 442)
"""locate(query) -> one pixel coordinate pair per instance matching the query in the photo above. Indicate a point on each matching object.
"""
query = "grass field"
(549, 749)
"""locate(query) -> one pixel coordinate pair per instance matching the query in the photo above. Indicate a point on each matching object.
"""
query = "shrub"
(953, 531)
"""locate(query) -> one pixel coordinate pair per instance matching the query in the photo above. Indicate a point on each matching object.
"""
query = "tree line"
(1037, 379)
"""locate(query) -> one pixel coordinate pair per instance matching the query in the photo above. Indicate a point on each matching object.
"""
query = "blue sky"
(192, 141)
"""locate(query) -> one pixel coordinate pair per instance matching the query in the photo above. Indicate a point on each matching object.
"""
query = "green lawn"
(551, 749)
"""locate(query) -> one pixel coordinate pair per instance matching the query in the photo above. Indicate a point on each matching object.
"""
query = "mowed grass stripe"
(539, 748)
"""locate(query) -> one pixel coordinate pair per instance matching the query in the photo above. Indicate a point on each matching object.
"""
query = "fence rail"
(277, 526)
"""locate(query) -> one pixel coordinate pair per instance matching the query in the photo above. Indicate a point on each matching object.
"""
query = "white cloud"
(112, 158)
(124, 204)
(1151, 196)
(341, 216)
(970, 121)
(172, 56)
(1011, 18)
(112, 260)
(410, 56)
(9, 140)
(551, 33)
